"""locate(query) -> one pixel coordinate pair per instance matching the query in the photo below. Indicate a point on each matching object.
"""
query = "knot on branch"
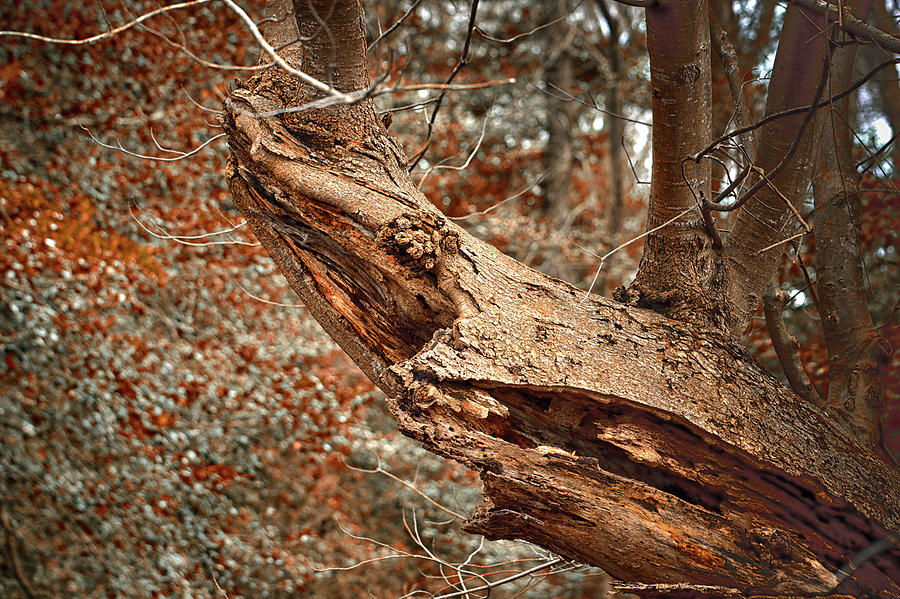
(419, 240)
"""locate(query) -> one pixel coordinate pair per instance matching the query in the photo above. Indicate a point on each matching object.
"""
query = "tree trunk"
(559, 154)
(606, 433)
(678, 266)
(615, 129)
(858, 354)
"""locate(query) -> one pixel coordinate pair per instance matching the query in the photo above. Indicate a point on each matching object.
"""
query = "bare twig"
(187, 239)
(468, 161)
(778, 243)
(108, 34)
(265, 301)
(865, 555)
(604, 257)
(183, 155)
(631, 164)
(593, 104)
(518, 36)
(273, 54)
(375, 90)
(493, 207)
(796, 110)
(395, 26)
(508, 579)
(843, 17)
(379, 470)
(462, 62)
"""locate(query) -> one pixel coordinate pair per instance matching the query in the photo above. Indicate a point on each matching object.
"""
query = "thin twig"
(118, 147)
(768, 176)
(865, 555)
(495, 584)
(273, 54)
(796, 110)
(462, 62)
(468, 161)
(14, 555)
(394, 27)
(777, 243)
(106, 35)
(493, 207)
(518, 36)
(265, 301)
(379, 470)
(186, 239)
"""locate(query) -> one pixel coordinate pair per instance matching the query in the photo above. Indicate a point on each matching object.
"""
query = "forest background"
(173, 423)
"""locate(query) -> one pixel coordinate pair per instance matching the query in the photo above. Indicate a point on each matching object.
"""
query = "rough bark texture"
(858, 354)
(606, 433)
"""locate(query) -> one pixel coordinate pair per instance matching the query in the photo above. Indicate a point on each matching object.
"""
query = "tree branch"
(786, 346)
(848, 22)
(784, 144)
(858, 355)
(602, 432)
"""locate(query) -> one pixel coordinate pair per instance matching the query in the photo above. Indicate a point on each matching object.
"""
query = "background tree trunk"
(559, 153)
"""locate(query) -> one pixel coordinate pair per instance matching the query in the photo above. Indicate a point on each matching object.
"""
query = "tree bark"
(678, 266)
(606, 433)
(858, 354)
(753, 252)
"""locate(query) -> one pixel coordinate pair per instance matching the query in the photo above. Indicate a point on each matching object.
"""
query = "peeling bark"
(606, 433)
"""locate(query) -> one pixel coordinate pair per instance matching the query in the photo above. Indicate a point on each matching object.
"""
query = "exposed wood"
(607, 433)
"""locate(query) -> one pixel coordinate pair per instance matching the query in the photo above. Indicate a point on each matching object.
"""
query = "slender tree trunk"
(615, 129)
(858, 354)
(753, 252)
(678, 266)
(615, 133)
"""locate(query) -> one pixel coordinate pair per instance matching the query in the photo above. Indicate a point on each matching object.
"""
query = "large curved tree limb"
(606, 433)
